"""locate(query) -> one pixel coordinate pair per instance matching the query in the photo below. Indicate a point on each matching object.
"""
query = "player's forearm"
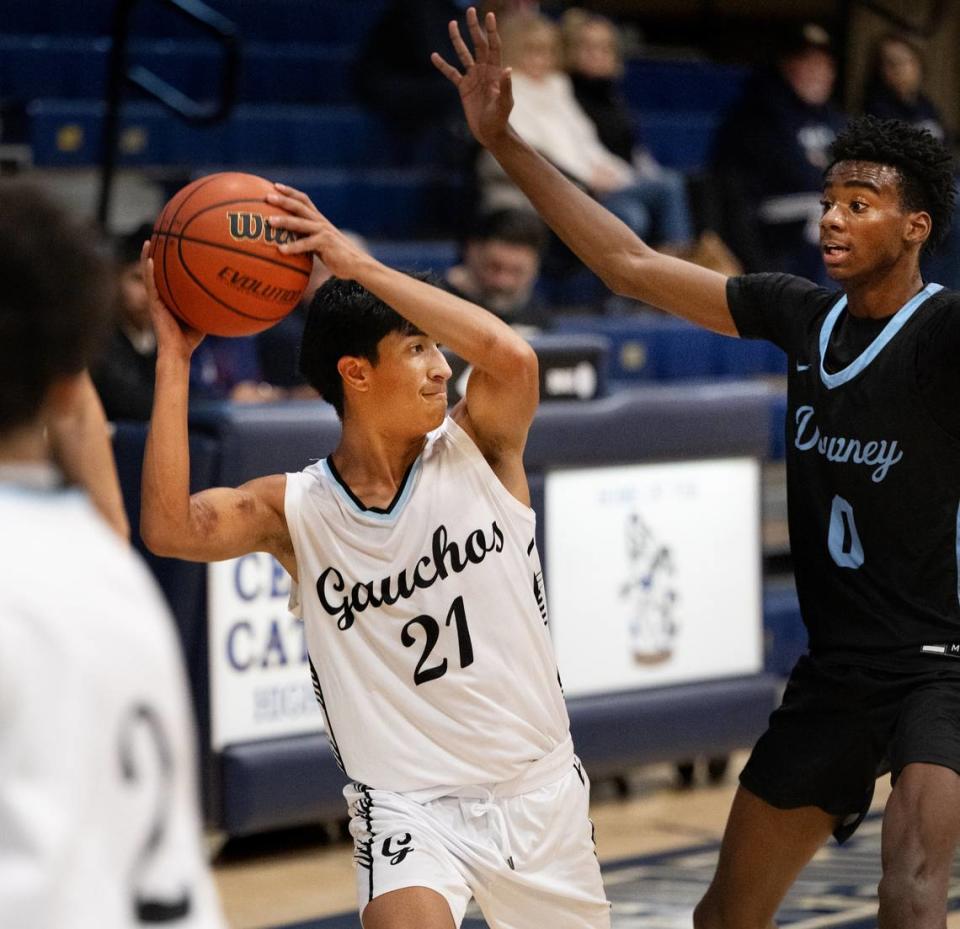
(165, 505)
(474, 334)
(601, 241)
(80, 444)
(626, 264)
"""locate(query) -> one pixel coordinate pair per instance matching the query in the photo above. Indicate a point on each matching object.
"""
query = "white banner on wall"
(653, 573)
(260, 685)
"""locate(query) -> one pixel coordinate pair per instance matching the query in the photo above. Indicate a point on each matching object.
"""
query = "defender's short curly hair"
(924, 163)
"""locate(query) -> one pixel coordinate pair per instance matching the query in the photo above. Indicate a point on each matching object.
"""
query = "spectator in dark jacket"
(500, 265)
(894, 90)
(770, 153)
(124, 375)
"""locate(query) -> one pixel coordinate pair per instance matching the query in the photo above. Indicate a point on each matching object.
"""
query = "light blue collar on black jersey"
(896, 323)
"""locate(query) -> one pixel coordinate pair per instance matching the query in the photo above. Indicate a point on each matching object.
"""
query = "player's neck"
(24, 446)
(882, 296)
(373, 464)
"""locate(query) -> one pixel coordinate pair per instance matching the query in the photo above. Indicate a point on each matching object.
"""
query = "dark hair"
(56, 301)
(516, 226)
(923, 162)
(344, 318)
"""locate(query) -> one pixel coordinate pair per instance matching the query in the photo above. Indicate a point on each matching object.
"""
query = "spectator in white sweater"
(546, 113)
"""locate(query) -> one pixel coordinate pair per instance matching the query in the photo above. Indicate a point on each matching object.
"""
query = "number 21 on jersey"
(431, 629)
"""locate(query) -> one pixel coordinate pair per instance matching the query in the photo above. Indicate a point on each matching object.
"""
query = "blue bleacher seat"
(67, 133)
(333, 22)
(680, 140)
(750, 357)
(383, 204)
(417, 254)
(682, 85)
(75, 67)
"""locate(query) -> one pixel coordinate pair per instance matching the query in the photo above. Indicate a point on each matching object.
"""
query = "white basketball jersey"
(99, 825)
(426, 624)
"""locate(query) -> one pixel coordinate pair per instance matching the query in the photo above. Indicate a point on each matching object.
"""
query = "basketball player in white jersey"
(412, 551)
(99, 825)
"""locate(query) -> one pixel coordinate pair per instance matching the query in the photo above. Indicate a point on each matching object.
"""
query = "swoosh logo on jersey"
(801, 367)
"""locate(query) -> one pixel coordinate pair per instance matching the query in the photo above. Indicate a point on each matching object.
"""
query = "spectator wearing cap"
(770, 153)
(500, 265)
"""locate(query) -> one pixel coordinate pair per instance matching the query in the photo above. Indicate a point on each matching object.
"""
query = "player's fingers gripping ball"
(215, 257)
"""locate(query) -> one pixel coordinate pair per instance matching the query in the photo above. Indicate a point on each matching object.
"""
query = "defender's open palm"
(484, 86)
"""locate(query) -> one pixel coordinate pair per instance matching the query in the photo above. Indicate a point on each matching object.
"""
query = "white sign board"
(260, 685)
(653, 573)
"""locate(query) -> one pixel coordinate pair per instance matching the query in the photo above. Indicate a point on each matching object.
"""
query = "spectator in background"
(894, 86)
(770, 154)
(394, 78)
(500, 265)
(547, 114)
(124, 375)
(894, 90)
(223, 368)
(228, 368)
(594, 61)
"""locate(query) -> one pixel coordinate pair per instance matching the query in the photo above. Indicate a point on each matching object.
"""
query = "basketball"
(215, 257)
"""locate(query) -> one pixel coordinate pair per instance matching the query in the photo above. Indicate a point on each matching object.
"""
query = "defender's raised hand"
(484, 85)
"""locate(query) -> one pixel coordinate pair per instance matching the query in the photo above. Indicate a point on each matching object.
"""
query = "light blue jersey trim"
(398, 505)
(897, 322)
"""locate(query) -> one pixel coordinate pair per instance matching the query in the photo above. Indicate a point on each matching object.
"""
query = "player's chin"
(435, 407)
(837, 273)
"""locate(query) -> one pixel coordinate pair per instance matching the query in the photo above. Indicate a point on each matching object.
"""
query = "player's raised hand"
(316, 233)
(172, 335)
(484, 85)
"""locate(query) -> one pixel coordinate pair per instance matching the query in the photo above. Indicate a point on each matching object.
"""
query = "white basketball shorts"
(529, 861)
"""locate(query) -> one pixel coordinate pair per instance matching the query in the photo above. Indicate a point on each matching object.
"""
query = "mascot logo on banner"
(651, 594)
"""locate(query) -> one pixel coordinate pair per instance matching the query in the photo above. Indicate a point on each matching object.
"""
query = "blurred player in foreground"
(98, 815)
(412, 549)
(873, 459)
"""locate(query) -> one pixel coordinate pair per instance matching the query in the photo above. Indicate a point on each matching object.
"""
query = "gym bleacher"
(674, 392)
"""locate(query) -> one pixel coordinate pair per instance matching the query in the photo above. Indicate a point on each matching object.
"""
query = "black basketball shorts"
(841, 726)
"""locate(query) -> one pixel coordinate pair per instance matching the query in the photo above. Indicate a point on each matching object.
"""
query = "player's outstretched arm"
(214, 524)
(80, 444)
(503, 390)
(625, 263)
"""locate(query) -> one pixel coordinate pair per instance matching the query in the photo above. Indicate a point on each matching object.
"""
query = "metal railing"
(120, 75)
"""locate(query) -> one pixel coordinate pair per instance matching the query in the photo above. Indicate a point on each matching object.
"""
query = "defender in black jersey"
(873, 438)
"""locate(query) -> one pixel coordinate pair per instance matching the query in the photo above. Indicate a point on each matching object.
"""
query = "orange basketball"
(215, 257)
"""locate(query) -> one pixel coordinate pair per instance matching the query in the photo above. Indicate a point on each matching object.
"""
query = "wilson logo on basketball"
(254, 227)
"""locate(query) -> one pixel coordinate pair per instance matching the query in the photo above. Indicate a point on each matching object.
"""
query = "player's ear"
(918, 227)
(355, 372)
